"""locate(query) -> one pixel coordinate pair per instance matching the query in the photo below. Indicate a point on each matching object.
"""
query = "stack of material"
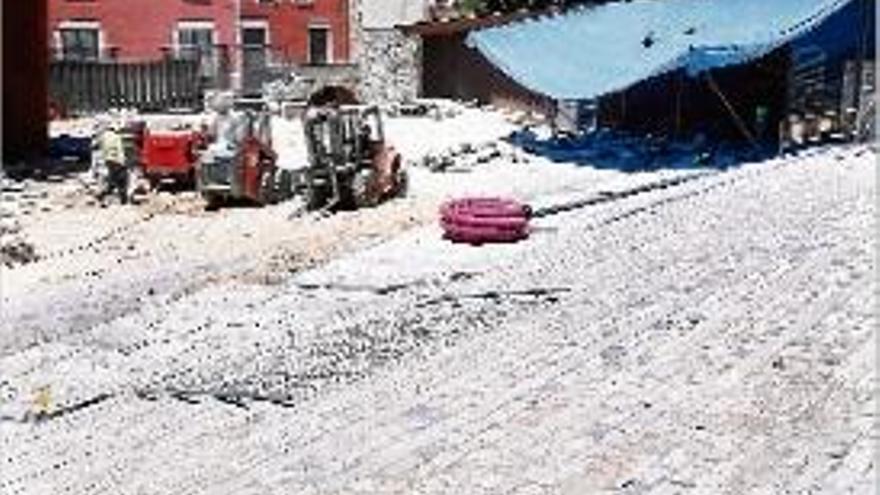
(467, 156)
(294, 89)
(435, 109)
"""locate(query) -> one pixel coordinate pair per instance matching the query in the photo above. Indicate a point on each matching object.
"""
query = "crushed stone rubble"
(339, 372)
(24, 203)
(467, 156)
(324, 351)
(169, 246)
(15, 202)
(433, 109)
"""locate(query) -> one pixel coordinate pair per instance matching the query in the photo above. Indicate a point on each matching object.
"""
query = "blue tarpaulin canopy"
(591, 51)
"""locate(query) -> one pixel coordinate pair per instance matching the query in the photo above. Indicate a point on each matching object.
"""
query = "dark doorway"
(254, 41)
(319, 45)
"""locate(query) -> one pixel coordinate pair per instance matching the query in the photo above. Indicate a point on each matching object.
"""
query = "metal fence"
(262, 65)
(81, 87)
(178, 80)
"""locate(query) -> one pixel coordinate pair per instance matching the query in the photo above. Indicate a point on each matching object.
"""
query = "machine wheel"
(192, 181)
(197, 179)
(267, 187)
(138, 186)
(401, 183)
(316, 198)
(212, 201)
(361, 194)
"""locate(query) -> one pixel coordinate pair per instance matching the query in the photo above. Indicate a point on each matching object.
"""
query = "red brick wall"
(140, 28)
(25, 79)
(289, 21)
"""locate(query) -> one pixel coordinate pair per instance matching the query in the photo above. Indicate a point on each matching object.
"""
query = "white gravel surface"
(714, 337)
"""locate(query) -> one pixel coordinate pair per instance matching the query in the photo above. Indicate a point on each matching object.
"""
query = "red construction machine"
(240, 163)
(171, 156)
(350, 163)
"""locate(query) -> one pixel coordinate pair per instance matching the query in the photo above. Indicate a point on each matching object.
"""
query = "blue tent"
(592, 51)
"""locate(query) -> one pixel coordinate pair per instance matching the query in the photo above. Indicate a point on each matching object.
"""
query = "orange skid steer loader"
(240, 163)
(350, 164)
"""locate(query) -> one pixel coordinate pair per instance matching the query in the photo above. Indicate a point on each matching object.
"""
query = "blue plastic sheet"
(591, 51)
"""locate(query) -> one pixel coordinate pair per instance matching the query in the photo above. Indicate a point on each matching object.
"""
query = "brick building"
(312, 32)
(301, 32)
(138, 30)
(309, 37)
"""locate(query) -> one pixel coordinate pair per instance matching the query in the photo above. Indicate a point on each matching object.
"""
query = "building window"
(80, 42)
(194, 39)
(255, 58)
(254, 36)
(319, 45)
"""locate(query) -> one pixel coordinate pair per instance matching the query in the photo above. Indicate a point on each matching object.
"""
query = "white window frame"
(256, 24)
(319, 25)
(184, 25)
(93, 25)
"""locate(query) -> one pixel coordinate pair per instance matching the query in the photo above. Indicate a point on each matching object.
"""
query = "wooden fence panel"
(82, 87)
(137, 83)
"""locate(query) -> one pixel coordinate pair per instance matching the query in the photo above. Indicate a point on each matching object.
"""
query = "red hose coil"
(484, 220)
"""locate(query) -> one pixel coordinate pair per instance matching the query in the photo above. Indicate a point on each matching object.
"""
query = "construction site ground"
(713, 337)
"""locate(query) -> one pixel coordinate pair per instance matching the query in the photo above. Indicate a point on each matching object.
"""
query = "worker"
(112, 149)
(228, 124)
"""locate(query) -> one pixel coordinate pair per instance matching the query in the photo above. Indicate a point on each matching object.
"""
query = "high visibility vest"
(112, 148)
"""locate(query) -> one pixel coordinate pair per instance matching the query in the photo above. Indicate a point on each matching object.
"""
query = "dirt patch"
(179, 203)
(316, 240)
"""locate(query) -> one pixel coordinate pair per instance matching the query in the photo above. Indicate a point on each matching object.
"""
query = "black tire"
(402, 183)
(267, 187)
(316, 198)
(212, 201)
(197, 179)
(361, 195)
(191, 182)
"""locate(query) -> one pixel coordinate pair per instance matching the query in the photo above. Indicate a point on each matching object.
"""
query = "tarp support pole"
(678, 92)
(860, 60)
(736, 118)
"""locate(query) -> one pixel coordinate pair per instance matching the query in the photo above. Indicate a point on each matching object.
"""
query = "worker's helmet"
(222, 102)
(101, 124)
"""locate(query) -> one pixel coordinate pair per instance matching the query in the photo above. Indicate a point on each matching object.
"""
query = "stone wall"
(390, 66)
